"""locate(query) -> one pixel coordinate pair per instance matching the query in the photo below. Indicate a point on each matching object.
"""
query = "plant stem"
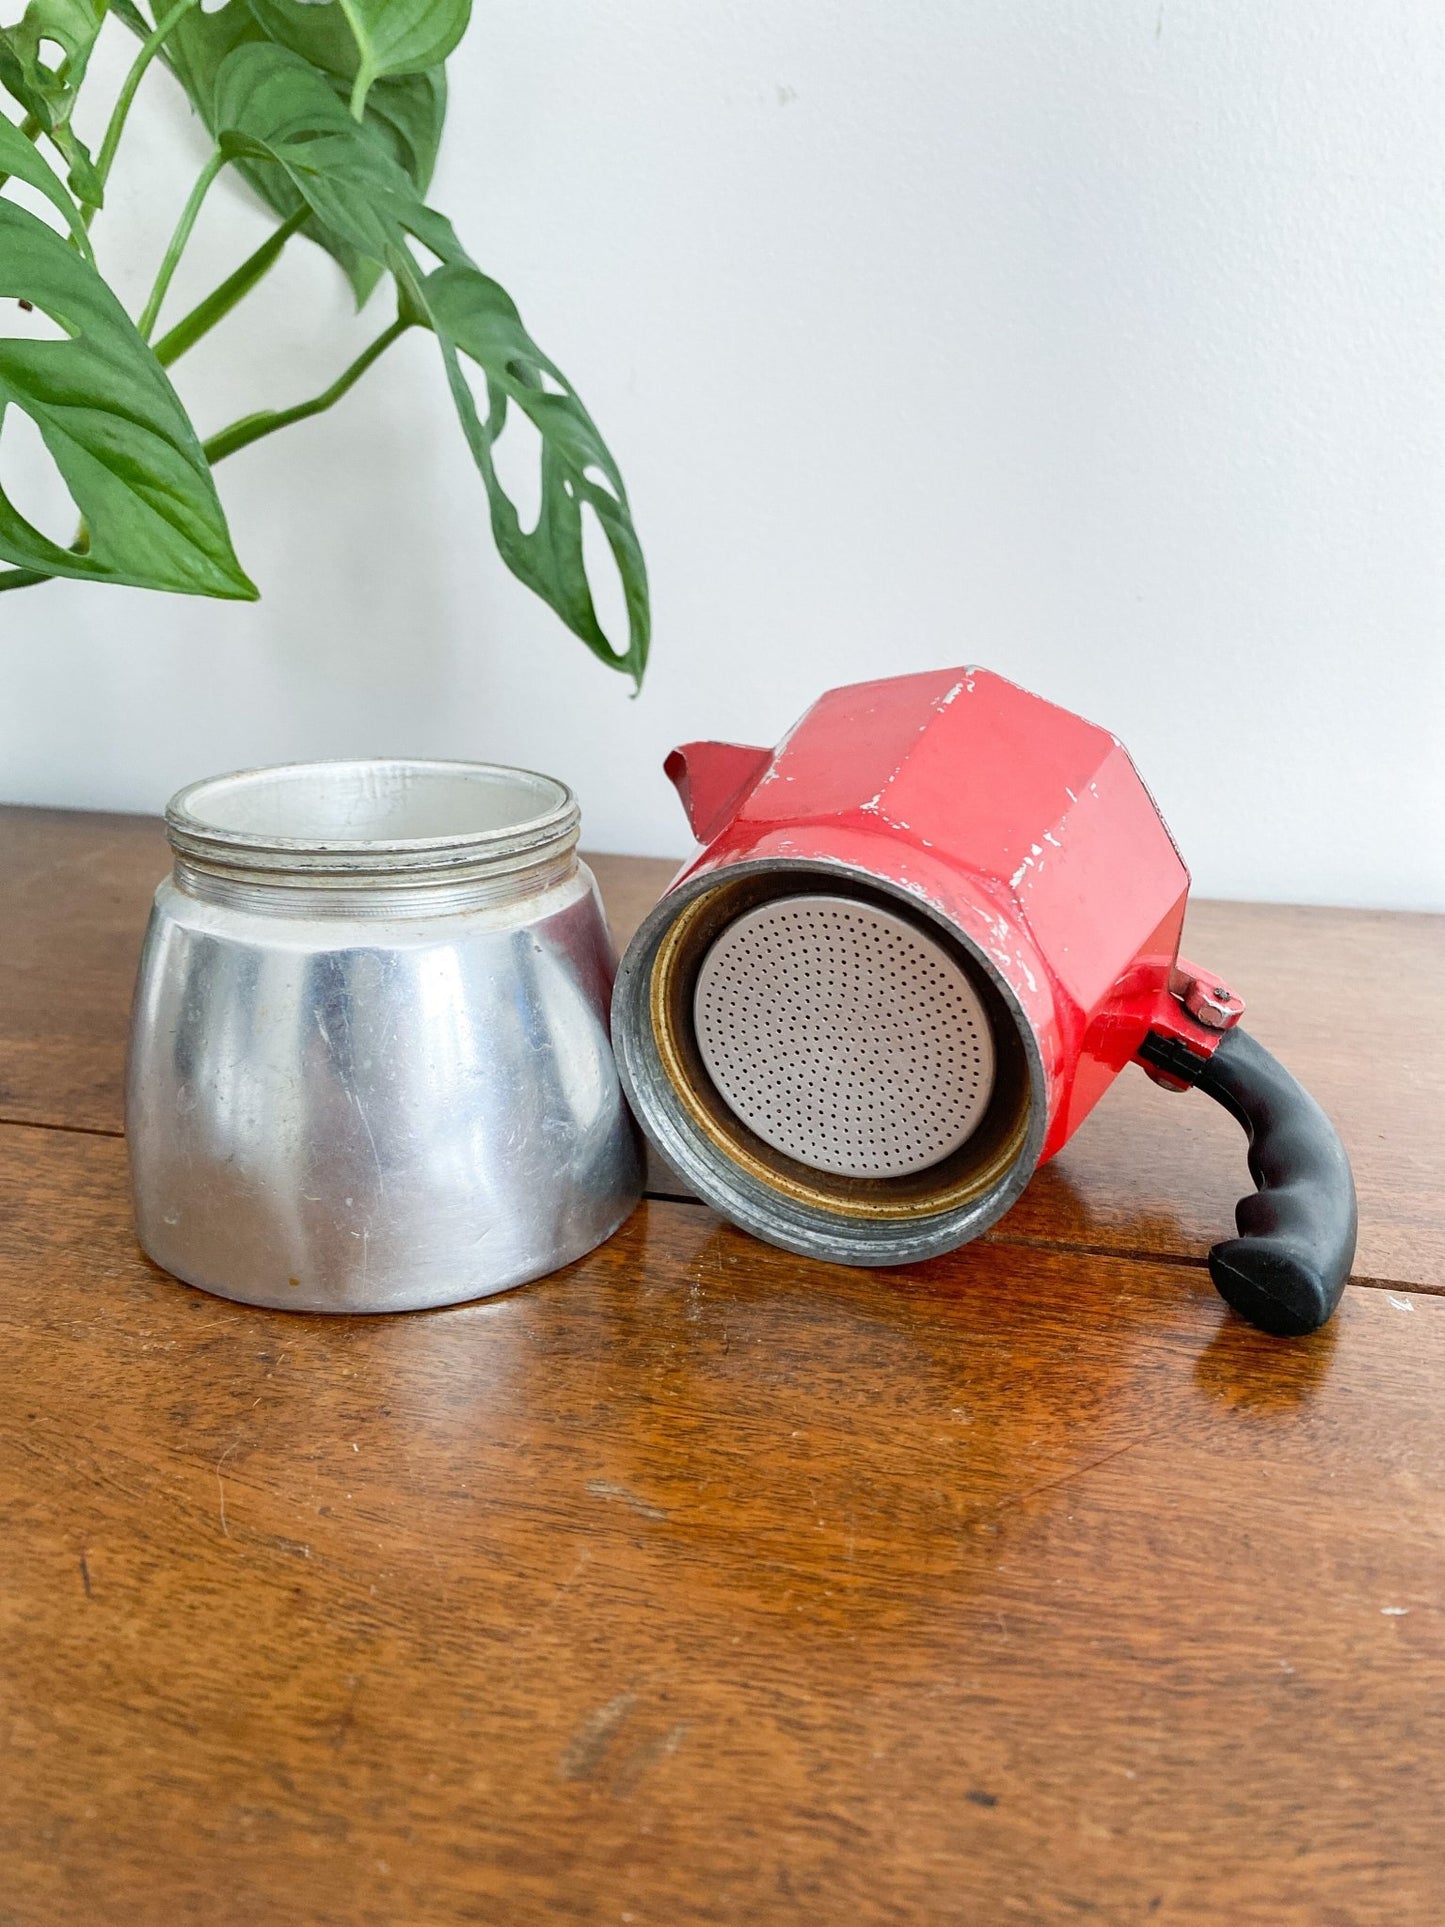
(220, 301)
(252, 427)
(178, 241)
(150, 47)
(365, 74)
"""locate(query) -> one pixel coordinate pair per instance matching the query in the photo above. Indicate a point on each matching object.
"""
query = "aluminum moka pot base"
(369, 1065)
(922, 938)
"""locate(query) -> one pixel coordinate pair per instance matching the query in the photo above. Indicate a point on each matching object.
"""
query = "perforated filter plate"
(844, 1037)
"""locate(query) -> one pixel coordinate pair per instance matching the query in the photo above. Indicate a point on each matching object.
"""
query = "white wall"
(1098, 341)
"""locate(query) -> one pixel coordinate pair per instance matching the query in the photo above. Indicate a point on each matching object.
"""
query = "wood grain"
(1354, 1002)
(703, 1584)
(76, 888)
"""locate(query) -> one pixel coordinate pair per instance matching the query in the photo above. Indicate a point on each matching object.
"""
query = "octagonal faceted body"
(1024, 825)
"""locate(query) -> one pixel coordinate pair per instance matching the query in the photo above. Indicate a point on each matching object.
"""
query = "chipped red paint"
(1025, 826)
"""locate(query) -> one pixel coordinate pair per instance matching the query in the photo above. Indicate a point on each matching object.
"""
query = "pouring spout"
(712, 779)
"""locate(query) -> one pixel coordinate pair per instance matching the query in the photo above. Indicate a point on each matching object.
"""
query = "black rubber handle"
(1288, 1266)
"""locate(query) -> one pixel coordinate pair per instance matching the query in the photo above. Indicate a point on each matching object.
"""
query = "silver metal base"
(379, 1078)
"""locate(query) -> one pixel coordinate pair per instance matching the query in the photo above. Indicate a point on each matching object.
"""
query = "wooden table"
(704, 1584)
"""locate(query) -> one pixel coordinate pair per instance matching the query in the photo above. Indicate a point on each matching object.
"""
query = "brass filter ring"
(958, 1180)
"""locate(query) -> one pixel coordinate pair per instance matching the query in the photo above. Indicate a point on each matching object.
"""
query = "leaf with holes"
(369, 39)
(47, 92)
(475, 318)
(271, 105)
(114, 428)
(20, 159)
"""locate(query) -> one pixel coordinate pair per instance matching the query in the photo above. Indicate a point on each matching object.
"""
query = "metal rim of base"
(849, 1221)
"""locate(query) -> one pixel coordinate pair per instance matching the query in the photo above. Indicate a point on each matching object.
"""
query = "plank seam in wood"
(1075, 1248)
(49, 1124)
(1078, 1249)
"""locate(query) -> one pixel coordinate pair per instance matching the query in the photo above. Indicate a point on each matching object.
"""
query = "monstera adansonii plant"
(332, 113)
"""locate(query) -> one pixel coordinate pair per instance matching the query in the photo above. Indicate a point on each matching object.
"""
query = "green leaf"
(24, 162)
(271, 107)
(402, 36)
(371, 37)
(131, 16)
(198, 45)
(407, 111)
(474, 317)
(49, 93)
(115, 429)
(270, 103)
(319, 34)
(80, 172)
